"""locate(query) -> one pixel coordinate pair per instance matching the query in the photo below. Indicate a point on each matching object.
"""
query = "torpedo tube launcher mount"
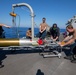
(14, 44)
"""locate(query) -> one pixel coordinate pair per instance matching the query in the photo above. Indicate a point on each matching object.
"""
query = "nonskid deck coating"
(23, 62)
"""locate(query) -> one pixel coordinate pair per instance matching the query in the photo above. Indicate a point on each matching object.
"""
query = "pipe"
(32, 14)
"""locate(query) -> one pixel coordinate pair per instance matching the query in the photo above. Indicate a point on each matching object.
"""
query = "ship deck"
(29, 62)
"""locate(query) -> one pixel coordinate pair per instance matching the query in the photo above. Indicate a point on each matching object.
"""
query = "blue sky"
(55, 11)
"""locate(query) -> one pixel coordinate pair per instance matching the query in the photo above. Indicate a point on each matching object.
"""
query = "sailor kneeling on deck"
(70, 40)
(55, 32)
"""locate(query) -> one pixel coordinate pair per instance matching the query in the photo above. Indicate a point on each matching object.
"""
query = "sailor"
(55, 32)
(70, 40)
(29, 34)
(2, 30)
(43, 28)
(2, 36)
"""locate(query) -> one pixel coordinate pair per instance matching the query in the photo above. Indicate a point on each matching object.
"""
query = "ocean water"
(20, 32)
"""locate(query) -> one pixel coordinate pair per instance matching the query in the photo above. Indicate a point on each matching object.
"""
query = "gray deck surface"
(27, 62)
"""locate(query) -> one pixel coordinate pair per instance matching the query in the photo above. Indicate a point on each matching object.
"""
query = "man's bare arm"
(66, 38)
(69, 42)
(5, 25)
